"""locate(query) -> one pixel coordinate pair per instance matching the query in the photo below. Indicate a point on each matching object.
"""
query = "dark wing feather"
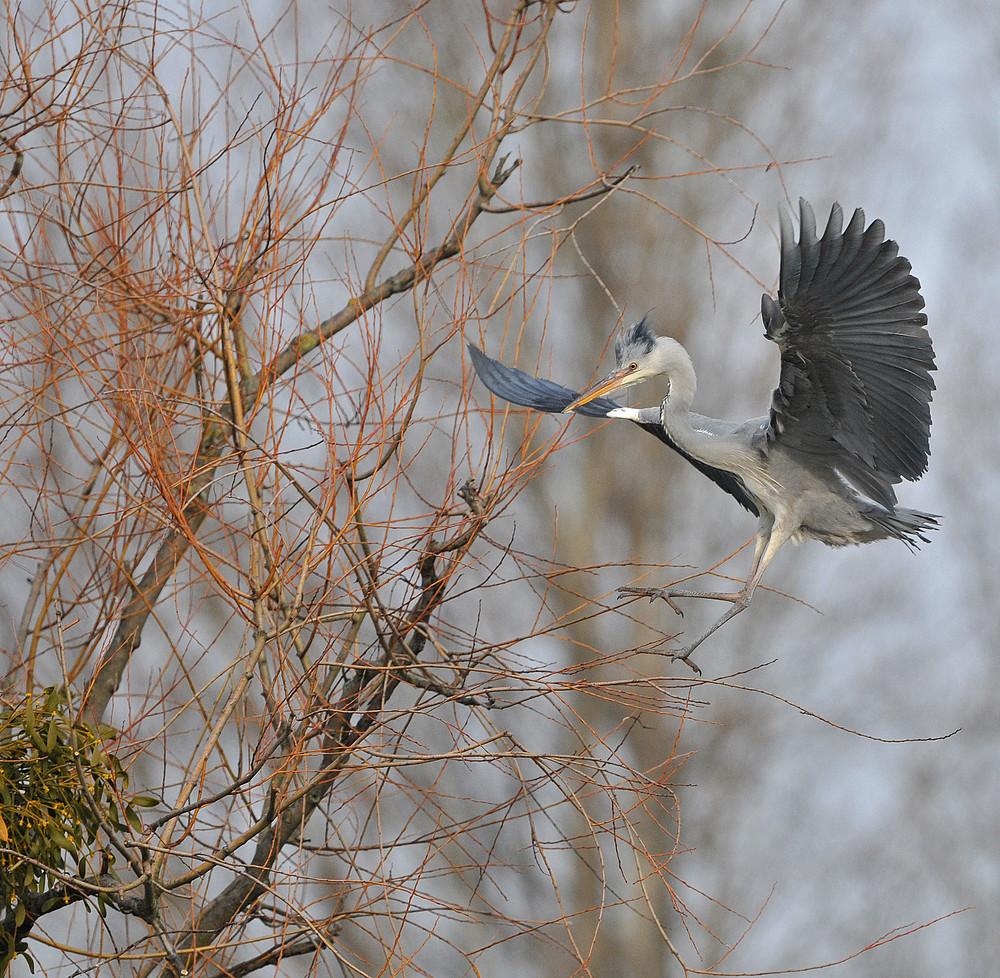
(855, 387)
(517, 387)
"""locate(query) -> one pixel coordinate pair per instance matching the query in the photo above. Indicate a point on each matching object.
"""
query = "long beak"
(614, 380)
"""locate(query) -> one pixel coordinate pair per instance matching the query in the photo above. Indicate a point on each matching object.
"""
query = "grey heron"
(849, 419)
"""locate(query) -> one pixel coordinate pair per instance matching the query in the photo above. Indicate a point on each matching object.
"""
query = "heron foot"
(652, 593)
(685, 656)
(737, 600)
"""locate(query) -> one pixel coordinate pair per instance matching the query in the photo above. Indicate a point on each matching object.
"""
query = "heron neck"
(675, 416)
(676, 406)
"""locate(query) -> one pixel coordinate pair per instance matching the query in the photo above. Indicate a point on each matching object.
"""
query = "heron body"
(849, 419)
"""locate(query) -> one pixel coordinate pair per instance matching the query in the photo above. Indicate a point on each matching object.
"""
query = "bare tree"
(314, 687)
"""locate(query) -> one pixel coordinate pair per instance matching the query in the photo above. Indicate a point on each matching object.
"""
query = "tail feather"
(908, 525)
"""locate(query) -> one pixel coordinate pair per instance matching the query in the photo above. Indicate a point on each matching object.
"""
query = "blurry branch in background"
(277, 533)
(148, 310)
(244, 395)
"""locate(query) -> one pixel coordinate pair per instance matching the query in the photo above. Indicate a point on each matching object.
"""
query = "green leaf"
(51, 735)
(28, 717)
(50, 904)
(57, 836)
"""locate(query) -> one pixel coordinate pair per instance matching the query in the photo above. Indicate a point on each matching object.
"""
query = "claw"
(685, 658)
(652, 593)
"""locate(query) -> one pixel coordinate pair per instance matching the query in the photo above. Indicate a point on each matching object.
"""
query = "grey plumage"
(519, 388)
(849, 419)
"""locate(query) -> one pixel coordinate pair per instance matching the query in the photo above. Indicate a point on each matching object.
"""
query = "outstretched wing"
(855, 387)
(517, 387)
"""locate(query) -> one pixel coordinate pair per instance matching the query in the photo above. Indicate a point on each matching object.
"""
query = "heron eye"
(633, 366)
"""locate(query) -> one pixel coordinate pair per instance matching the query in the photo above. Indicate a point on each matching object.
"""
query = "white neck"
(716, 444)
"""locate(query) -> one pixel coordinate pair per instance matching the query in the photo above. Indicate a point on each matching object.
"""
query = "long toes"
(652, 593)
(685, 657)
(666, 596)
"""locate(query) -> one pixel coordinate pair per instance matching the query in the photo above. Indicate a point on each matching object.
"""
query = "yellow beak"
(614, 381)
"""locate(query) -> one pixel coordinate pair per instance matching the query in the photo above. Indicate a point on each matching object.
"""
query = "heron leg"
(742, 600)
(734, 597)
(669, 593)
(765, 549)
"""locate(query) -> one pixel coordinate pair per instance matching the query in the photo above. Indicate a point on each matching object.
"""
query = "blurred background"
(828, 839)
(822, 806)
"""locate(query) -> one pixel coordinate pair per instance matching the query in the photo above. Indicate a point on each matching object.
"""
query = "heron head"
(638, 357)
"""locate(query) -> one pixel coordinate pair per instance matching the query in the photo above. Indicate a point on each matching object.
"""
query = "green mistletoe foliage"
(60, 790)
